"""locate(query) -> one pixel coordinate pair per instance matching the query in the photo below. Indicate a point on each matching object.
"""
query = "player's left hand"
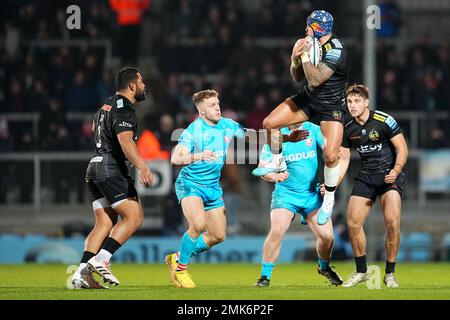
(307, 47)
(322, 189)
(282, 176)
(391, 176)
(297, 135)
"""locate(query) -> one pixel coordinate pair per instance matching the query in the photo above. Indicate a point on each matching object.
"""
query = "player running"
(321, 100)
(380, 143)
(109, 182)
(202, 150)
(298, 195)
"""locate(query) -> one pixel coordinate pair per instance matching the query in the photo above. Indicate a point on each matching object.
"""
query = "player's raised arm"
(130, 150)
(315, 75)
(401, 151)
(181, 156)
(295, 136)
(296, 65)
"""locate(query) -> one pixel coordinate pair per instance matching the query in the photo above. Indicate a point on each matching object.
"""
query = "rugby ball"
(315, 53)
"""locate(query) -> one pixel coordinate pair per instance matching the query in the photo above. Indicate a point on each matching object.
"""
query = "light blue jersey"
(299, 193)
(201, 178)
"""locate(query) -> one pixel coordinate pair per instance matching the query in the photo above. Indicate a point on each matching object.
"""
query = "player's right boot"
(103, 269)
(183, 280)
(355, 279)
(262, 282)
(171, 262)
(85, 280)
(278, 164)
(326, 209)
(390, 280)
(333, 277)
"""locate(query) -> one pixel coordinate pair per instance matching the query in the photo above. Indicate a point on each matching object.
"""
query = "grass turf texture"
(224, 282)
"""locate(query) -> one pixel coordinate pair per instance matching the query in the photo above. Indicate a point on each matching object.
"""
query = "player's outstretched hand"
(282, 176)
(391, 176)
(322, 189)
(297, 135)
(297, 49)
(209, 156)
(146, 176)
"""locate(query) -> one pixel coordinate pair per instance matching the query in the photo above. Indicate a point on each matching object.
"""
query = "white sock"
(81, 267)
(331, 176)
(103, 255)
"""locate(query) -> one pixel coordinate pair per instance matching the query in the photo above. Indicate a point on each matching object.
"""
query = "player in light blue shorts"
(202, 150)
(296, 193)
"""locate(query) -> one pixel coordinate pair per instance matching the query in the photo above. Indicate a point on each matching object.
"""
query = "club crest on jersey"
(107, 107)
(337, 115)
(309, 142)
(374, 135)
(363, 132)
(227, 139)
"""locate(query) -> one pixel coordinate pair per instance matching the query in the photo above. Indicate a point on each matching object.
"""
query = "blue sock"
(266, 269)
(187, 246)
(201, 246)
(324, 264)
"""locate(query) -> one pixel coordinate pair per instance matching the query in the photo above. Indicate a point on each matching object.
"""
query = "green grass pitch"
(224, 282)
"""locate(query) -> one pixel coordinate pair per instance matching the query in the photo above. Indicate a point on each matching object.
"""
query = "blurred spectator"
(388, 91)
(16, 101)
(185, 97)
(164, 132)
(22, 171)
(259, 112)
(172, 215)
(86, 136)
(52, 116)
(264, 25)
(12, 41)
(129, 18)
(80, 96)
(391, 19)
(443, 69)
(171, 98)
(105, 87)
(28, 20)
(436, 139)
(149, 146)
(6, 140)
(427, 98)
(37, 99)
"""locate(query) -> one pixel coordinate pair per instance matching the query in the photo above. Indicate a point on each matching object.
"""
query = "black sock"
(111, 245)
(390, 267)
(361, 264)
(86, 256)
(330, 189)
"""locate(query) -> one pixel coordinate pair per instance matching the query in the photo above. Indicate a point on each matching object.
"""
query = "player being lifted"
(320, 100)
(202, 150)
(298, 195)
(380, 143)
(109, 182)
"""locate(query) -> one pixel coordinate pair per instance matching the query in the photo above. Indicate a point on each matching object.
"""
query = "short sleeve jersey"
(200, 136)
(372, 140)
